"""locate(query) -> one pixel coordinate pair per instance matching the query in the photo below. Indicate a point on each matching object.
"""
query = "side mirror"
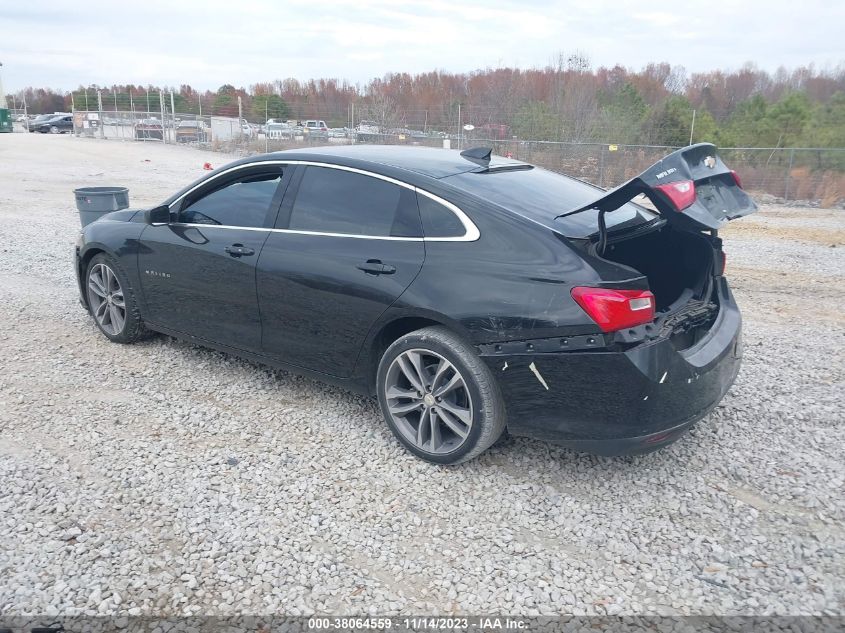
(157, 215)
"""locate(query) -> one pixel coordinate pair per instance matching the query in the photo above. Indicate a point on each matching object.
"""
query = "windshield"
(541, 195)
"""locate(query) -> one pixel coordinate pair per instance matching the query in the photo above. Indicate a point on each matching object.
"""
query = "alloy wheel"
(428, 401)
(105, 296)
(54, 129)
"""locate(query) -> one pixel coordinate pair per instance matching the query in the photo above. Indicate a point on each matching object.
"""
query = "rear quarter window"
(438, 220)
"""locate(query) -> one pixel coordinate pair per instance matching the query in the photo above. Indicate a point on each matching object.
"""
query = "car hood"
(124, 215)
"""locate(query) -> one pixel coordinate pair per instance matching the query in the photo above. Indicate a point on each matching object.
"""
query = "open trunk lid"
(690, 187)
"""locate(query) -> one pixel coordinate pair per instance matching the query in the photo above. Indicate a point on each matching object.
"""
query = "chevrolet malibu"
(468, 292)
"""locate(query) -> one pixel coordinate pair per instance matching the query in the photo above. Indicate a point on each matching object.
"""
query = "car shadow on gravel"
(511, 454)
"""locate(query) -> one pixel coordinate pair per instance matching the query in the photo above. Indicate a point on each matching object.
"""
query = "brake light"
(681, 193)
(737, 179)
(613, 309)
(724, 263)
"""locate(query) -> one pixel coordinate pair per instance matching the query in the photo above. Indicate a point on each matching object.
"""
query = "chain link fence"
(807, 174)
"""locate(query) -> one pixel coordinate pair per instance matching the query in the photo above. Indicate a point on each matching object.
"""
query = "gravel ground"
(162, 478)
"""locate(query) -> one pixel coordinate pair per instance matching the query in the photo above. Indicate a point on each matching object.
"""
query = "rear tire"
(54, 129)
(112, 301)
(438, 397)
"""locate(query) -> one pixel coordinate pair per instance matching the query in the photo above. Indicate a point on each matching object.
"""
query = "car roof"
(428, 161)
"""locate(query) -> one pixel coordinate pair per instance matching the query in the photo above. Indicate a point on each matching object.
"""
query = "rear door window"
(339, 201)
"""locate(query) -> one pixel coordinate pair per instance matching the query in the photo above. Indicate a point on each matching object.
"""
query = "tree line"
(568, 100)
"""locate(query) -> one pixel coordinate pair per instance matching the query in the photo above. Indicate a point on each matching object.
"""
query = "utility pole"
(692, 127)
(163, 129)
(100, 113)
(460, 129)
(114, 92)
(173, 112)
(266, 119)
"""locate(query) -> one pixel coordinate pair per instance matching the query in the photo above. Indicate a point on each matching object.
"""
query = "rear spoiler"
(691, 185)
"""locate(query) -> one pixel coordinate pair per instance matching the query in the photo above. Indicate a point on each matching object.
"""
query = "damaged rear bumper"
(621, 402)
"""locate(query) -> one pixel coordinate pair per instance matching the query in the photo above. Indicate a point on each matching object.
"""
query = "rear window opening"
(542, 195)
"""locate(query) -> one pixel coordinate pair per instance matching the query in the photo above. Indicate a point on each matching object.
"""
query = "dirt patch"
(754, 229)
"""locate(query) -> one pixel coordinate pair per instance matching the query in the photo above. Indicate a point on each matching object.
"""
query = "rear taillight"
(681, 193)
(737, 179)
(615, 310)
(723, 263)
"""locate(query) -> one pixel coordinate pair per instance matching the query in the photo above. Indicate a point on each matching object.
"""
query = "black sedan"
(470, 293)
(57, 124)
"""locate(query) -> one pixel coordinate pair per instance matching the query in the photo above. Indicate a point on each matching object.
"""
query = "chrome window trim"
(259, 228)
(471, 230)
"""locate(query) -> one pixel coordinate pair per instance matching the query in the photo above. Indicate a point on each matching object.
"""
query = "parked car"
(467, 292)
(495, 131)
(316, 126)
(54, 124)
(368, 131)
(191, 132)
(248, 129)
(149, 129)
(315, 129)
(37, 120)
(277, 130)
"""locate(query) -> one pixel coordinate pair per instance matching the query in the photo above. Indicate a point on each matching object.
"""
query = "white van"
(314, 125)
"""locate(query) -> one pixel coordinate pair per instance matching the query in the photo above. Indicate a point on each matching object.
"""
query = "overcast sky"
(208, 43)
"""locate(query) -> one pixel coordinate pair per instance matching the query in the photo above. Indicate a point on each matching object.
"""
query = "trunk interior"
(679, 267)
(673, 261)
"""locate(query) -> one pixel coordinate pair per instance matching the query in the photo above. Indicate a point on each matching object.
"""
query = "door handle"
(239, 250)
(376, 267)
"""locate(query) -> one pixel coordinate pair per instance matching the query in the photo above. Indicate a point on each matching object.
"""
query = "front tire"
(112, 301)
(438, 397)
(54, 129)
